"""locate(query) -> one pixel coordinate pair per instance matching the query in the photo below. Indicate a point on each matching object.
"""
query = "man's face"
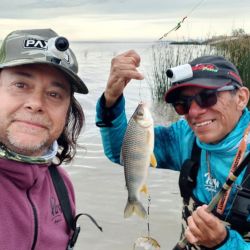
(35, 100)
(212, 124)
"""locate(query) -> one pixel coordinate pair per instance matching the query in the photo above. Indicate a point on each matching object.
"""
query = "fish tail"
(135, 207)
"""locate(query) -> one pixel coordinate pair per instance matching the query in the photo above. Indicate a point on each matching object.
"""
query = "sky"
(126, 20)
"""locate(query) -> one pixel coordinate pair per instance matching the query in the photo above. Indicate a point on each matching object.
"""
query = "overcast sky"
(126, 19)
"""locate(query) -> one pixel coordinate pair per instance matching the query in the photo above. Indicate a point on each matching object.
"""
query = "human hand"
(204, 228)
(123, 69)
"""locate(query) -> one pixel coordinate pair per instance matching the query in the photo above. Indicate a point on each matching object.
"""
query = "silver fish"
(147, 243)
(136, 155)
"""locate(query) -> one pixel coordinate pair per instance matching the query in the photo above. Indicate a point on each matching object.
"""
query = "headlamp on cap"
(180, 73)
(57, 47)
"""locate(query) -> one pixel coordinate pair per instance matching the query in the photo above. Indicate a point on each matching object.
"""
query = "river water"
(99, 183)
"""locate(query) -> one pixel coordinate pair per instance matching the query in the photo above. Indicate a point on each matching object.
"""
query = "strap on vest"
(188, 173)
(62, 195)
(241, 206)
(63, 198)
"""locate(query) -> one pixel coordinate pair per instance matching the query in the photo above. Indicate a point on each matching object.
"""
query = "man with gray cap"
(208, 143)
(40, 123)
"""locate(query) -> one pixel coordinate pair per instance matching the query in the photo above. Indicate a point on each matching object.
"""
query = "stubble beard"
(16, 145)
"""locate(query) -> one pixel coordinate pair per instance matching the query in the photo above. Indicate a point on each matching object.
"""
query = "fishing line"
(175, 28)
(140, 88)
(195, 7)
(148, 223)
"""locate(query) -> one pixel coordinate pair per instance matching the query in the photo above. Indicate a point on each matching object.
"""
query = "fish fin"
(121, 161)
(121, 158)
(147, 243)
(153, 161)
(135, 208)
(144, 189)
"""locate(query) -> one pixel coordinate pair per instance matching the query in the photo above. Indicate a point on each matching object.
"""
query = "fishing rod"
(178, 25)
(181, 245)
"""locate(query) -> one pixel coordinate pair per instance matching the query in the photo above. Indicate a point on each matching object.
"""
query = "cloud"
(134, 9)
(49, 8)
(124, 19)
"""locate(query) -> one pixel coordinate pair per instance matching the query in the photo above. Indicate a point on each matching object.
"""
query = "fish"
(147, 243)
(136, 156)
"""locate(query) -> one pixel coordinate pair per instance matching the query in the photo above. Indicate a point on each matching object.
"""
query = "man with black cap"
(205, 145)
(40, 123)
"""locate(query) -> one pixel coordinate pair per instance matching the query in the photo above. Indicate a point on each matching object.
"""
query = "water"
(94, 67)
(99, 183)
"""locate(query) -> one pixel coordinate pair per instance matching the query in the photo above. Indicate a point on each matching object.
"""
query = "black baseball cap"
(24, 47)
(209, 72)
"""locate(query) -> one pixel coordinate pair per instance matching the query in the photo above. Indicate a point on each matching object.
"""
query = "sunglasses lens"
(181, 107)
(206, 99)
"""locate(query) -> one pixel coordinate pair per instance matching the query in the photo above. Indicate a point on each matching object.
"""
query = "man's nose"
(35, 102)
(195, 109)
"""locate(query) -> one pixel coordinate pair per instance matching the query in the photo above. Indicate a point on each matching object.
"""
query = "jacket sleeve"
(234, 241)
(112, 123)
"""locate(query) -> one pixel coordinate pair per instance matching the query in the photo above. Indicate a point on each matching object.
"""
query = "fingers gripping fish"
(136, 155)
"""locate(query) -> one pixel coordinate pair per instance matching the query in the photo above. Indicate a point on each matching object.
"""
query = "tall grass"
(165, 56)
(237, 50)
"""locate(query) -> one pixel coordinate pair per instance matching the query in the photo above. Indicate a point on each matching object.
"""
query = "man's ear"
(243, 97)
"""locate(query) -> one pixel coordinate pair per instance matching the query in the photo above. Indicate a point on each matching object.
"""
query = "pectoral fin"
(144, 189)
(153, 162)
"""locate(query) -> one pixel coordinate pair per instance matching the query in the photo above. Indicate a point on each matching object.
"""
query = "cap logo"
(32, 43)
(35, 43)
(205, 67)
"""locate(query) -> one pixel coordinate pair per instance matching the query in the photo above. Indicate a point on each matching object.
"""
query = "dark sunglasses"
(205, 99)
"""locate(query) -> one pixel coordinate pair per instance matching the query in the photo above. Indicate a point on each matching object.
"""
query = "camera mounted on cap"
(56, 48)
(179, 73)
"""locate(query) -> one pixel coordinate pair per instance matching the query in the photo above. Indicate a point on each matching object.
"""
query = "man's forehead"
(28, 71)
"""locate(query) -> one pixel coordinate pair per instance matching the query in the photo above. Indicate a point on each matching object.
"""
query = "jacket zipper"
(35, 220)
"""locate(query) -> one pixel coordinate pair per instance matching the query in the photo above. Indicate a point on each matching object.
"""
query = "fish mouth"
(143, 123)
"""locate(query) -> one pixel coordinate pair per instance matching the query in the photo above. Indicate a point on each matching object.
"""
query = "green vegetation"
(235, 48)
(164, 56)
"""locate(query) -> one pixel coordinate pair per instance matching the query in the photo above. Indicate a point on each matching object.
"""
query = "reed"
(164, 55)
(237, 50)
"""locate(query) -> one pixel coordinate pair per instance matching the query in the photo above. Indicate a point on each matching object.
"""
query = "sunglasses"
(205, 99)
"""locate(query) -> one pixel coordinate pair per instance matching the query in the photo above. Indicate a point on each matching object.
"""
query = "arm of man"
(110, 107)
(207, 230)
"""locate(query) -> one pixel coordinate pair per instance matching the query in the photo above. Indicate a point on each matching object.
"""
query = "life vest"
(240, 211)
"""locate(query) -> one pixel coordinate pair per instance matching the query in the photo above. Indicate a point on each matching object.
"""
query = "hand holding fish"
(123, 69)
(205, 229)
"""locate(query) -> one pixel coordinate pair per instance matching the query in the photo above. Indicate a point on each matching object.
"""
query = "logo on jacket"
(211, 184)
(56, 210)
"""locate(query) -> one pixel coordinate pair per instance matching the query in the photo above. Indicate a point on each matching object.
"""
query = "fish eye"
(140, 113)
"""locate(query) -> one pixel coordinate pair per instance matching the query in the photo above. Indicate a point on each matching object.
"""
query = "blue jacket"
(173, 146)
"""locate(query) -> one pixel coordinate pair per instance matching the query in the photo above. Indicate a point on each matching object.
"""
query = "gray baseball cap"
(41, 46)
